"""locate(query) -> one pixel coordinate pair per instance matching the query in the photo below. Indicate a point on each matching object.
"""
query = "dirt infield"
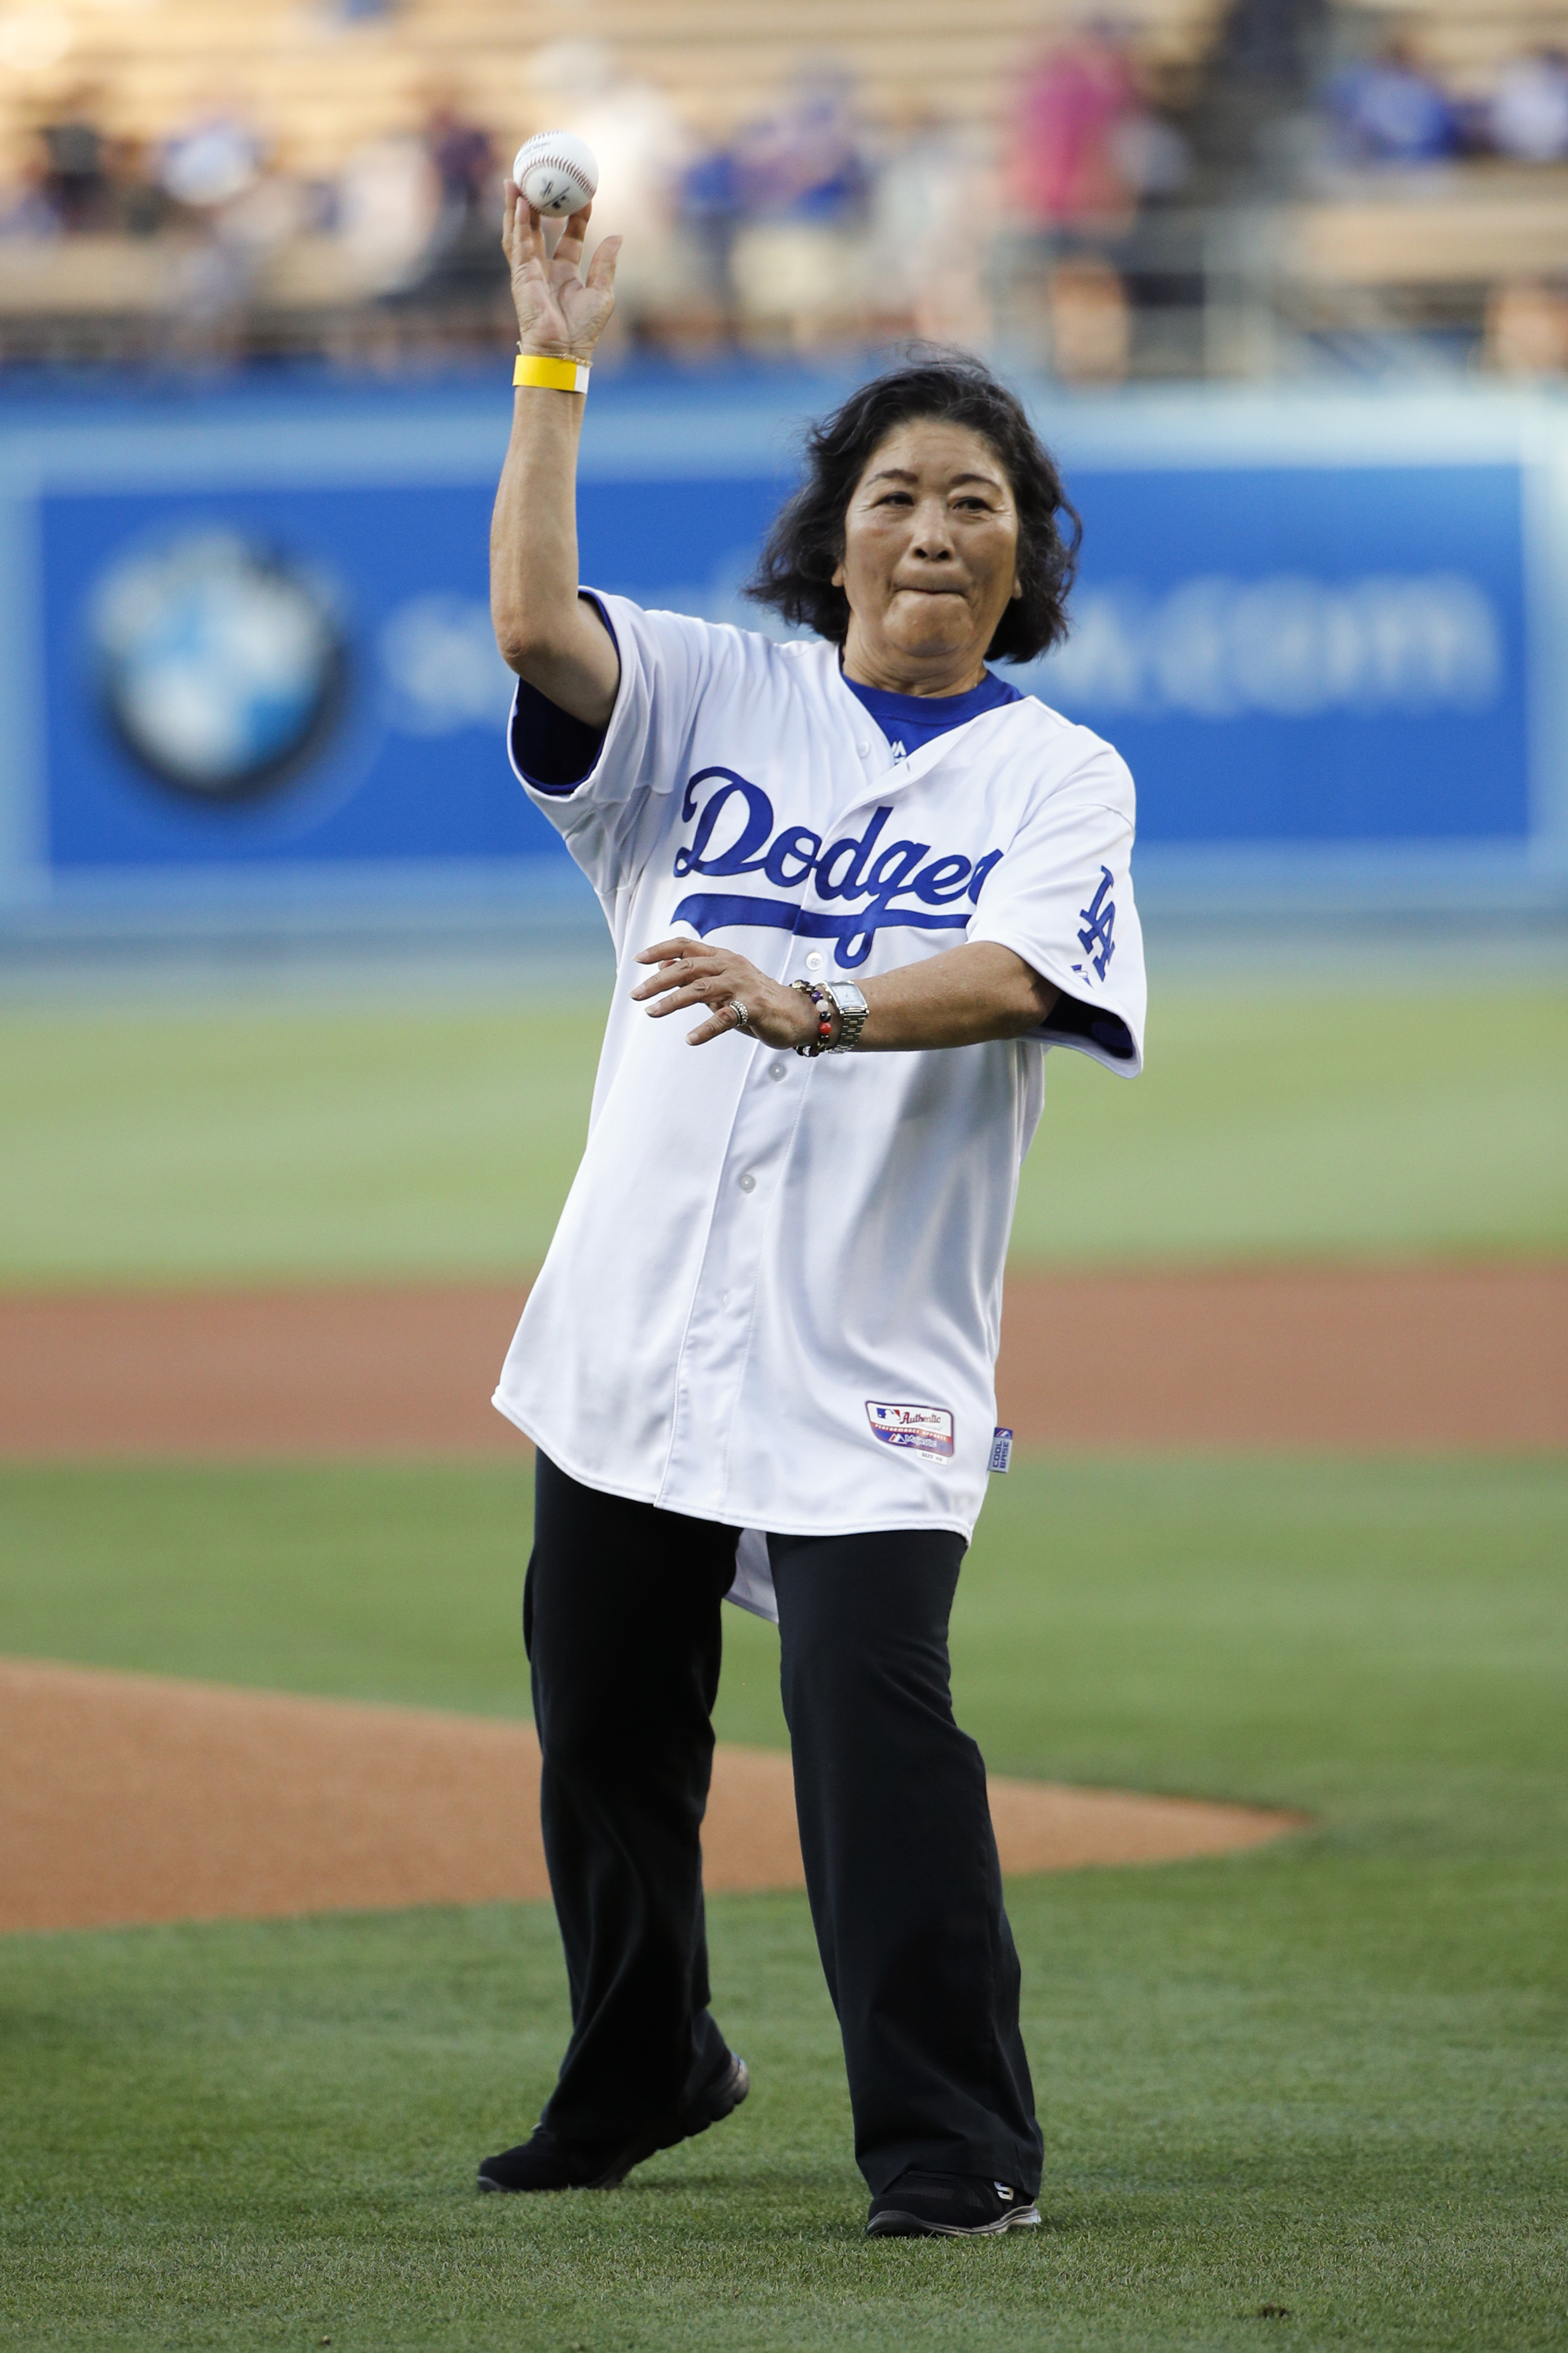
(1336, 1358)
(130, 1798)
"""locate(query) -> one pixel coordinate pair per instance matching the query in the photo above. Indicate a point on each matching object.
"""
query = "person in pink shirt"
(1062, 171)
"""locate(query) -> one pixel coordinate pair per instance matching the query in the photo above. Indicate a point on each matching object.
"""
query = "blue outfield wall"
(247, 643)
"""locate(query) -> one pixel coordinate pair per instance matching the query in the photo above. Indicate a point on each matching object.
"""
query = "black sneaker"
(949, 2206)
(543, 2162)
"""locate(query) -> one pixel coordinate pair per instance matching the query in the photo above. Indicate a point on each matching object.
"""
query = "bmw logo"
(222, 665)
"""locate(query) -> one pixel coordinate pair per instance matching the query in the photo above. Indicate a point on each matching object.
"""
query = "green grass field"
(1330, 2077)
(190, 1146)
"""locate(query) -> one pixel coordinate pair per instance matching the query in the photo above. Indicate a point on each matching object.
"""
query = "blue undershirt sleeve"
(553, 751)
(1070, 1018)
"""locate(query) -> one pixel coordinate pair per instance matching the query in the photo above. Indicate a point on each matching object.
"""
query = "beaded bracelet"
(824, 1007)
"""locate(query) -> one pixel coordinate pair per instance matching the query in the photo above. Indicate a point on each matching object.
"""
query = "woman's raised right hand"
(559, 311)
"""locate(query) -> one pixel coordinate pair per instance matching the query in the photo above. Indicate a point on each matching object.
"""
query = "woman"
(759, 1360)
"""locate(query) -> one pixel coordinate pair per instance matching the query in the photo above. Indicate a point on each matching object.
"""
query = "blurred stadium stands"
(1248, 189)
(1287, 281)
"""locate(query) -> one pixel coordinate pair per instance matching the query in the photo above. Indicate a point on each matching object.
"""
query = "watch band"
(850, 1005)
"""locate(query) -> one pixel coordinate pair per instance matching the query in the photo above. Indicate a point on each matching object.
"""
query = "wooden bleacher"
(1469, 228)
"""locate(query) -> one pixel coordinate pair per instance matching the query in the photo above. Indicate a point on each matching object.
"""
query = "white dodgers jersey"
(774, 1299)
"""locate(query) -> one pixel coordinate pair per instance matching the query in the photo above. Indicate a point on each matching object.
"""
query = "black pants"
(621, 1618)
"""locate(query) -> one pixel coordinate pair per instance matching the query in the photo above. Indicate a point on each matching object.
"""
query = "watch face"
(852, 1011)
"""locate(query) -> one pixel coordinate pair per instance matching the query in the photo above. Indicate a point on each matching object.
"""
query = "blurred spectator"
(1252, 119)
(713, 209)
(207, 291)
(802, 182)
(1063, 169)
(465, 267)
(808, 162)
(228, 213)
(1271, 49)
(266, 216)
(1152, 157)
(218, 257)
(389, 201)
(1527, 329)
(76, 181)
(1084, 151)
(213, 160)
(464, 159)
(1090, 323)
(1527, 117)
(27, 211)
(1387, 112)
(935, 194)
(643, 150)
(139, 205)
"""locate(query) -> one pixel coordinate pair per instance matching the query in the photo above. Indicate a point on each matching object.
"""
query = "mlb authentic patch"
(927, 1429)
(1001, 1450)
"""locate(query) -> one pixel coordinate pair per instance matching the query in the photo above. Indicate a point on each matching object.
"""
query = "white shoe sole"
(1026, 2218)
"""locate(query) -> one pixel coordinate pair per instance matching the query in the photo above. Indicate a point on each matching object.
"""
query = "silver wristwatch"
(851, 1008)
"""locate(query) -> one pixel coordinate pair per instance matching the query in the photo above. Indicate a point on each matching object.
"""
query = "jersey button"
(815, 961)
(864, 749)
(775, 1070)
(748, 1183)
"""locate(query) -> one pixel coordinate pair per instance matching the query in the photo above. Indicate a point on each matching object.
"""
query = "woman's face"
(930, 554)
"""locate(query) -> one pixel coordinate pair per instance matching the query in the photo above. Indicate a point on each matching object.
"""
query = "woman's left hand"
(691, 972)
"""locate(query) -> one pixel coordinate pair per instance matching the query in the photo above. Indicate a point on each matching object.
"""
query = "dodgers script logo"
(888, 882)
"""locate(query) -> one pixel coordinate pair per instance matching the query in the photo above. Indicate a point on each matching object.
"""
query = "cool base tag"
(1001, 1450)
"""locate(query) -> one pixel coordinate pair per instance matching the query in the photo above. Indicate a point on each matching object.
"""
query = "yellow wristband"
(556, 376)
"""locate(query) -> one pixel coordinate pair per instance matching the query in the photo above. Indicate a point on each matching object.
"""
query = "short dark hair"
(805, 545)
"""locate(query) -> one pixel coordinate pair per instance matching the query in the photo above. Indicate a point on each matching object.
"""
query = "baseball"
(557, 172)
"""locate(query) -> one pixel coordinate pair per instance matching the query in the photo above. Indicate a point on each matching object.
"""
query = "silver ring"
(743, 1018)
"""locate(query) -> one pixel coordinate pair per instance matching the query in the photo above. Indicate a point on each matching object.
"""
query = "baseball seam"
(556, 163)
